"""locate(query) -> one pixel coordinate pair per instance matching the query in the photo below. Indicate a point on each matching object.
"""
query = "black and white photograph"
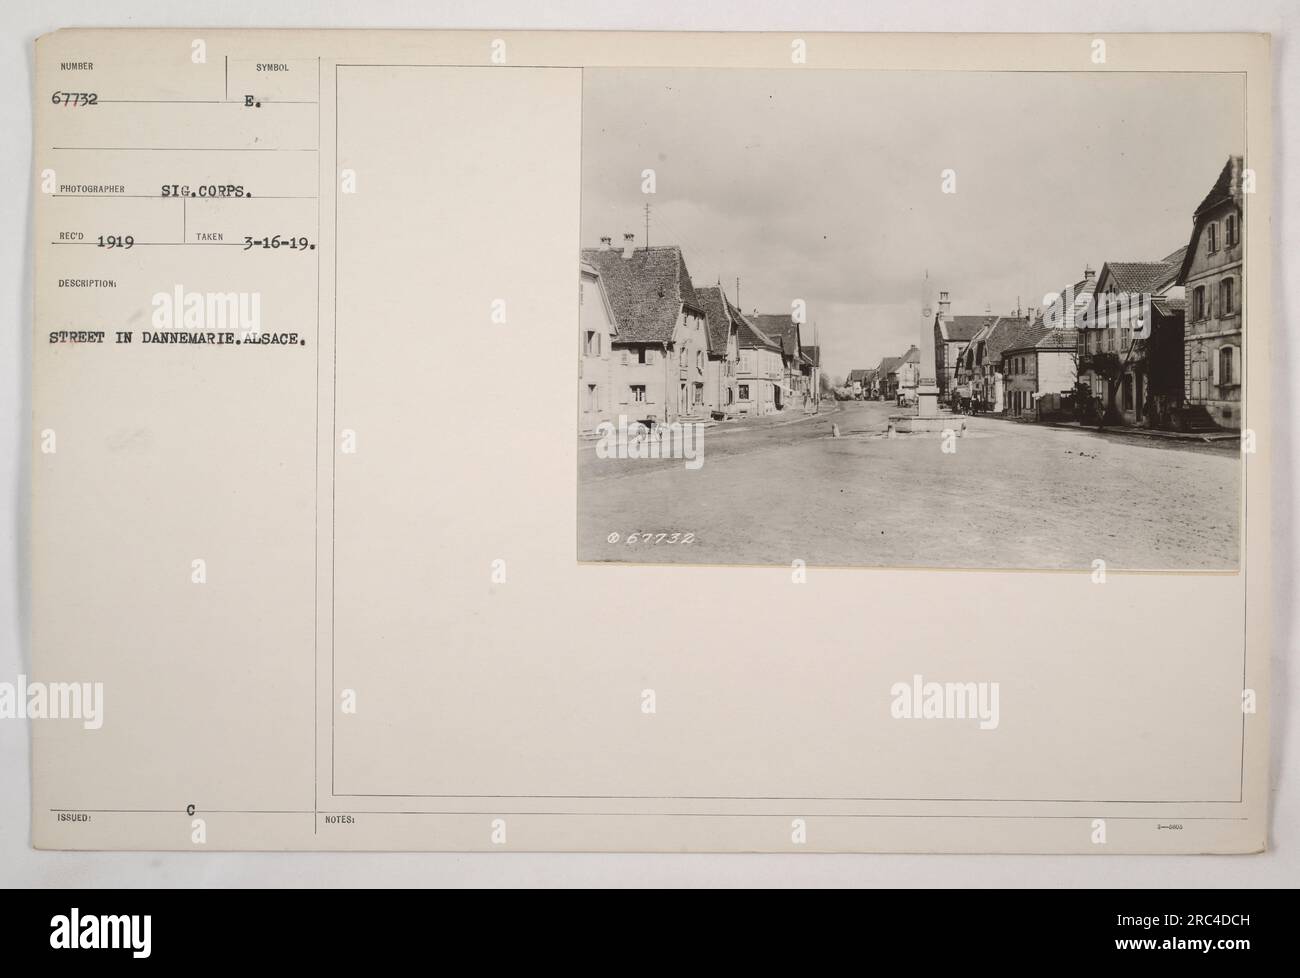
(912, 318)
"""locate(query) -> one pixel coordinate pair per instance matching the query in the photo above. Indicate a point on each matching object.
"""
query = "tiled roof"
(913, 355)
(1058, 339)
(1226, 187)
(751, 337)
(1079, 292)
(963, 328)
(720, 314)
(647, 290)
(781, 328)
(1003, 332)
(1038, 337)
(813, 354)
(886, 365)
(1177, 257)
(1137, 276)
(858, 375)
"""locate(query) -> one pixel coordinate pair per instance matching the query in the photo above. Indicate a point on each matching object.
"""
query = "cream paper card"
(326, 521)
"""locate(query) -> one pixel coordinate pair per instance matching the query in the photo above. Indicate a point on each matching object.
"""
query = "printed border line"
(1244, 533)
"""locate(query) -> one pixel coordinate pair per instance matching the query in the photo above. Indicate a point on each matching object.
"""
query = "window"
(1230, 230)
(1198, 303)
(638, 393)
(1212, 238)
(593, 398)
(681, 357)
(699, 360)
(593, 343)
(1226, 298)
(1227, 375)
(744, 392)
(644, 355)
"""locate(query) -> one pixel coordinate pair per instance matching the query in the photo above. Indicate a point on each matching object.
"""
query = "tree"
(1111, 367)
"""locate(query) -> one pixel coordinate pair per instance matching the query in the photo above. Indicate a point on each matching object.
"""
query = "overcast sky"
(826, 186)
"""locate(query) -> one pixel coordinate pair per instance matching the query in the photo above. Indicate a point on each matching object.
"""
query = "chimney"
(629, 245)
(945, 304)
(1088, 273)
(606, 243)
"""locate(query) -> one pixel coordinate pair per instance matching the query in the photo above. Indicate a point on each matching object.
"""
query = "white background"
(22, 866)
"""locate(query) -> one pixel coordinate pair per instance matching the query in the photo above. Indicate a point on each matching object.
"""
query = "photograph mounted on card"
(922, 360)
(912, 318)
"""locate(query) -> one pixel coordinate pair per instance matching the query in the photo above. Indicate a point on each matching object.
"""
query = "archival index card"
(569, 441)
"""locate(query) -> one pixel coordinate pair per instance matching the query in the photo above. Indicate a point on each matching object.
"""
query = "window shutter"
(1214, 368)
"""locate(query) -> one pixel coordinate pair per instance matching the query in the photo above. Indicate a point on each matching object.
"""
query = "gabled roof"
(887, 365)
(858, 375)
(750, 337)
(1078, 293)
(997, 336)
(962, 329)
(720, 316)
(1226, 188)
(1176, 258)
(813, 354)
(587, 268)
(647, 290)
(1058, 339)
(781, 328)
(1136, 276)
(913, 355)
(1038, 337)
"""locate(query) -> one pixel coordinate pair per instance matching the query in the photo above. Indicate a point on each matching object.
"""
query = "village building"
(868, 382)
(1211, 272)
(952, 334)
(1061, 309)
(885, 384)
(724, 322)
(597, 330)
(908, 374)
(1130, 342)
(796, 373)
(812, 367)
(1038, 369)
(661, 351)
(857, 383)
(979, 371)
(760, 375)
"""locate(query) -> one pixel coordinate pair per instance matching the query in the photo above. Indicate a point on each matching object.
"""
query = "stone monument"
(928, 417)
